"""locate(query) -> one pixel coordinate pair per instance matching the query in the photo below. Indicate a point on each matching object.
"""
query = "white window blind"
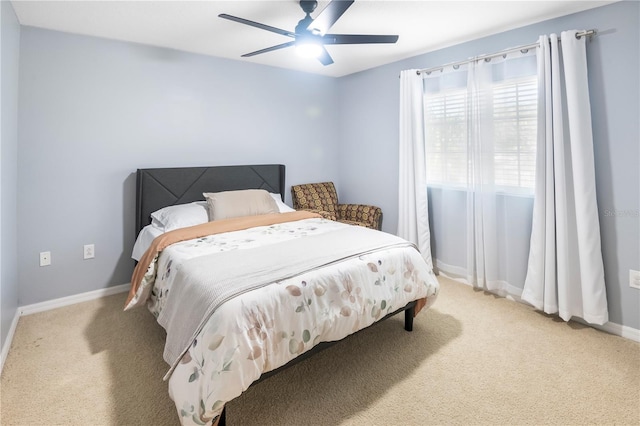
(515, 105)
(446, 137)
(514, 131)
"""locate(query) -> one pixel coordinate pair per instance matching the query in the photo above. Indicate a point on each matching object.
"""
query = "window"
(514, 130)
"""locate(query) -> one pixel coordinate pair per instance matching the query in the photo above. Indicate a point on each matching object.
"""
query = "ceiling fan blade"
(257, 25)
(325, 58)
(329, 16)
(358, 39)
(269, 49)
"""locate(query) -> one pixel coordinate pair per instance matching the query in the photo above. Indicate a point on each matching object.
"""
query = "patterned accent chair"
(322, 198)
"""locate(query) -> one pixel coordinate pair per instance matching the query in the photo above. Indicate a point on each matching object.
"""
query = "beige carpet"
(471, 359)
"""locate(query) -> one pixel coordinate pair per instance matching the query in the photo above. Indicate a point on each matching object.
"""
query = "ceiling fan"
(310, 35)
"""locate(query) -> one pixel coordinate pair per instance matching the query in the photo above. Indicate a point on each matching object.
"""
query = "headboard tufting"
(161, 187)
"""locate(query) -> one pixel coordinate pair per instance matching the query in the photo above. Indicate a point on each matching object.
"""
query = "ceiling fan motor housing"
(308, 6)
(302, 27)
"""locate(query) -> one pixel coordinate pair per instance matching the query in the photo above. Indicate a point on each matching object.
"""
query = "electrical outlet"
(634, 279)
(45, 258)
(89, 251)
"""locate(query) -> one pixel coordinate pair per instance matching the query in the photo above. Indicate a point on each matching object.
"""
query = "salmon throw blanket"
(210, 228)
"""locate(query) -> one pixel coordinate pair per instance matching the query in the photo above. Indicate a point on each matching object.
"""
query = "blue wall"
(9, 51)
(369, 136)
(92, 111)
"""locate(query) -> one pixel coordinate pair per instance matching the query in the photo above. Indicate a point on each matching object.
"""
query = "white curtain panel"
(482, 249)
(477, 117)
(565, 272)
(413, 209)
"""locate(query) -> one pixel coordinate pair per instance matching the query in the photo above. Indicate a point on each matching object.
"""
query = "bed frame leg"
(223, 417)
(408, 318)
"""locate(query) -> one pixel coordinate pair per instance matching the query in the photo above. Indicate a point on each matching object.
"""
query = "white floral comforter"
(263, 329)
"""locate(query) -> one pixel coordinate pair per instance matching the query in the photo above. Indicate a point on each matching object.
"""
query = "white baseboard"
(72, 300)
(613, 328)
(53, 304)
(9, 339)
(454, 272)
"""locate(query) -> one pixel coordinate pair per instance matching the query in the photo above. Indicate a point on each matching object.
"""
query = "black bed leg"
(408, 318)
(223, 417)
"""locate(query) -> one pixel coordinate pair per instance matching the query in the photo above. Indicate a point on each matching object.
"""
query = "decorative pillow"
(247, 202)
(180, 216)
(282, 207)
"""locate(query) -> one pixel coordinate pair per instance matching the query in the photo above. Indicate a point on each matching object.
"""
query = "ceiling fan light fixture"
(308, 48)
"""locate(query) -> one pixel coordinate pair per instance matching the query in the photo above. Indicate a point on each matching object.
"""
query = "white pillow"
(180, 216)
(246, 202)
(144, 240)
(282, 207)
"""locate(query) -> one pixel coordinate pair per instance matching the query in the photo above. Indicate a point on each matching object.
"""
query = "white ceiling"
(194, 26)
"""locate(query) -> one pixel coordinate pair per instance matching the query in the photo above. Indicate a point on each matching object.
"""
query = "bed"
(243, 296)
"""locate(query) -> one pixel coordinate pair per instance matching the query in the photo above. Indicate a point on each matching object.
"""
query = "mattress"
(262, 329)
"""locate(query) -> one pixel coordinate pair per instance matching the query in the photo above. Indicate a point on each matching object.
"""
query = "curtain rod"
(495, 55)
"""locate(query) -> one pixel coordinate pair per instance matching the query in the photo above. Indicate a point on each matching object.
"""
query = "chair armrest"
(325, 214)
(369, 215)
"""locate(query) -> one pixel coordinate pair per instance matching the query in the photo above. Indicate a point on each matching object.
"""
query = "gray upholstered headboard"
(157, 188)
